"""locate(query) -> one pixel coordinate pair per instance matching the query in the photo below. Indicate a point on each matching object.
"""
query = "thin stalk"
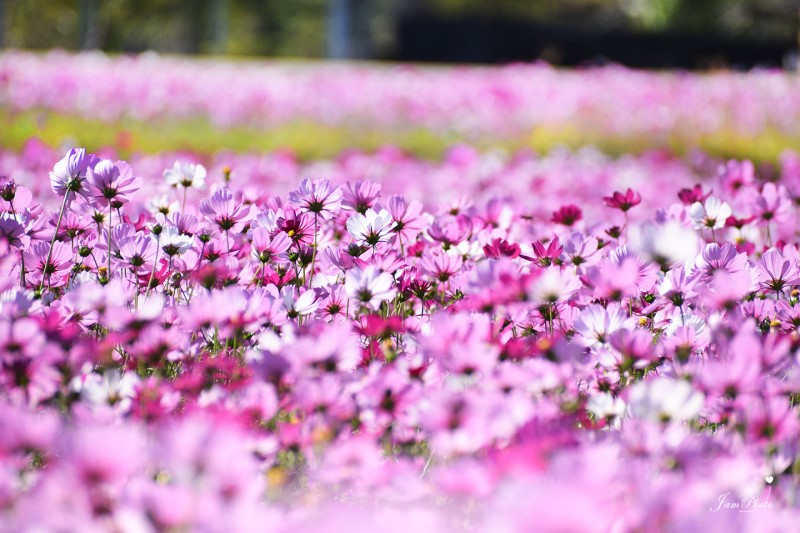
(108, 271)
(153, 271)
(21, 254)
(313, 252)
(22, 269)
(46, 274)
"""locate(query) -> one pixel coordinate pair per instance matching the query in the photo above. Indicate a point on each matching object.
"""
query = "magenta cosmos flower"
(623, 202)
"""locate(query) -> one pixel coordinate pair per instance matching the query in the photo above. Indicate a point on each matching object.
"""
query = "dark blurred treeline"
(390, 29)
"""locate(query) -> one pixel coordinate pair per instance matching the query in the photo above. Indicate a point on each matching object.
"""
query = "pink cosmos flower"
(441, 266)
(69, 174)
(716, 258)
(138, 253)
(112, 182)
(297, 304)
(13, 232)
(265, 248)
(361, 196)
(450, 229)
(771, 204)
(319, 198)
(225, 211)
(736, 175)
(369, 286)
(616, 280)
(581, 250)
(407, 217)
(186, 223)
(736, 373)
(55, 272)
(770, 420)
(776, 272)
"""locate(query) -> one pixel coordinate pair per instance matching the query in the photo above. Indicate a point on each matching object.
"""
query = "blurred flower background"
(441, 265)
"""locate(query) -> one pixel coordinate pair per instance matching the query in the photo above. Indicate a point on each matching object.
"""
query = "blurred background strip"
(694, 34)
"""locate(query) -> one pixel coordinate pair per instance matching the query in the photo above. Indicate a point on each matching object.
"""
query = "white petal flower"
(664, 400)
(669, 243)
(186, 175)
(596, 323)
(371, 227)
(711, 215)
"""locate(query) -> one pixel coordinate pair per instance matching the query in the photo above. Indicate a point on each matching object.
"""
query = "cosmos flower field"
(490, 341)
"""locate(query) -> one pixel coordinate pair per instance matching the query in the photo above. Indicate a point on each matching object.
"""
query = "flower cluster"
(327, 353)
(506, 101)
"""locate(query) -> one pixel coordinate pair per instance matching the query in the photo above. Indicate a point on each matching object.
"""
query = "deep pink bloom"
(695, 194)
(546, 256)
(501, 247)
(567, 215)
(299, 227)
(623, 202)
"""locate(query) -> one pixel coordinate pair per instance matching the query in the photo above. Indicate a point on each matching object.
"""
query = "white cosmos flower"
(173, 242)
(605, 405)
(162, 204)
(186, 175)
(711, 215)
(596, 323)
(298, 305)
(664, 400)
(114, 388)
(554, 285)
(371, 227)
(669, 243)
(369, 286)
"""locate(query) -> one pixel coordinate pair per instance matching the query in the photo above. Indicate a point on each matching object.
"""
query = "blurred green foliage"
(310, 140)
(298, 27)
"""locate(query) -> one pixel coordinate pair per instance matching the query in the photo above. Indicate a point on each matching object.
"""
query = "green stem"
(45, 274)
(108, 271)
(153, 271)
(313, 253)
